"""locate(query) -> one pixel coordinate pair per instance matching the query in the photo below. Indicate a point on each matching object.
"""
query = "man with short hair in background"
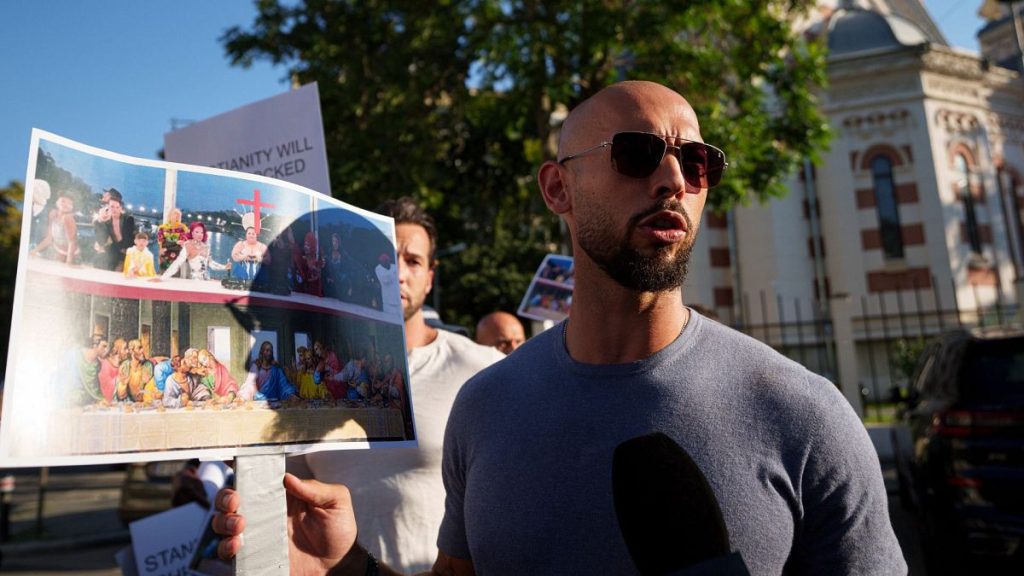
(500, 330)
(400, 491)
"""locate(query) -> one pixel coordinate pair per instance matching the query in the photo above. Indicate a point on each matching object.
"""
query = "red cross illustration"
(256, 205)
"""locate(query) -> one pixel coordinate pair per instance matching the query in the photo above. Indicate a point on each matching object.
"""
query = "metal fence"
(890, 330)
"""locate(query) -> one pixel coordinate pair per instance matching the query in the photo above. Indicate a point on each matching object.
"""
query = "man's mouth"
(666, 226)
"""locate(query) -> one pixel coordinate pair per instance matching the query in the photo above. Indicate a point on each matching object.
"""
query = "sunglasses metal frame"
(607, 143)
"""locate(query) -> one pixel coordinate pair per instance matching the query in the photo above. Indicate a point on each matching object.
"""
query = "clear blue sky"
(114, 73)
(958, 20)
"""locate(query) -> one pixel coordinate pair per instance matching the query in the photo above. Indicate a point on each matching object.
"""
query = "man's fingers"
(229, 547)
(318, 494)
(227, 501)
(228, 524)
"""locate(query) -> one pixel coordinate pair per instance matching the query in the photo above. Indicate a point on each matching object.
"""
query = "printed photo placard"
(549, 296)
(167, 311)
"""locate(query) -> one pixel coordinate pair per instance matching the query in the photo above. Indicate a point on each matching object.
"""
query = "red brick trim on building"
(906, 193)
(871, 239)
(961, 148)
(865, 198)
(913, 234)
(716, 221)
(886, 150)
(723, 297)
(909, 279)
(720, 258)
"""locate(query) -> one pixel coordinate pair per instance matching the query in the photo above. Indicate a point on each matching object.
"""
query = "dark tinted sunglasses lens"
(702, 164)
(636, 154)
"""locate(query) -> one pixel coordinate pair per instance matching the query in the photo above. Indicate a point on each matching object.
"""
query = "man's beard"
(413, 307)
(624, 264)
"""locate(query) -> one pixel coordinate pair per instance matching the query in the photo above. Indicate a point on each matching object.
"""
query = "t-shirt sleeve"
(846, 527)
(451, 538)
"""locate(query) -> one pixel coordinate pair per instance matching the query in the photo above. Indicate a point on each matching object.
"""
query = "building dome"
(854, 30)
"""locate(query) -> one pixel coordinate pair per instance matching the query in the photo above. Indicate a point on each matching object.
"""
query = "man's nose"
(402, 271)
(668, 179)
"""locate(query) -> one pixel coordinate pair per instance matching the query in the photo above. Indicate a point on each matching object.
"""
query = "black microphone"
(667, 512)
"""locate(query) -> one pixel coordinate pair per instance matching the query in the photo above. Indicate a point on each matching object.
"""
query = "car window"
(993, 371)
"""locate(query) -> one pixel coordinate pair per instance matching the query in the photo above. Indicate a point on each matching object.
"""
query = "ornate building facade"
(912, 222)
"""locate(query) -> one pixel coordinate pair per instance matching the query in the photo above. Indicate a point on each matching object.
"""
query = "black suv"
(962, 469)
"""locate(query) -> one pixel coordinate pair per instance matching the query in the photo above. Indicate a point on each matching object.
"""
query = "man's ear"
(553, 187)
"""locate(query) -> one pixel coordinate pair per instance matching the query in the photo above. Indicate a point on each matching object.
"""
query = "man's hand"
(321, 527)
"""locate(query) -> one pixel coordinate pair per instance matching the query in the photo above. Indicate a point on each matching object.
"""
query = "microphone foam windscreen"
(667, 512)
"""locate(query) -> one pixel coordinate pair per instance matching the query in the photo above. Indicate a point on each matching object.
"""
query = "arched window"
(963, 185)
(888, 210)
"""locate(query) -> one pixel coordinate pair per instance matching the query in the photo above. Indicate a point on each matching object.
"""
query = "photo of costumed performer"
(248, 256)
(170, 236)
(115, 233)
(194, 260)
(61, 240)
(138, 260)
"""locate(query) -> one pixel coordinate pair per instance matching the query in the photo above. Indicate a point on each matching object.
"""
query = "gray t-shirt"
(529, 444)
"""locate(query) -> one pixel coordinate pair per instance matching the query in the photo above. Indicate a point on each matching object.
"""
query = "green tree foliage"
(64, 183)
(905, 354)
(457, 102)
(11, 197)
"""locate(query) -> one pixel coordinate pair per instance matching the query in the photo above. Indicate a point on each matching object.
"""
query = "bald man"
(500, 330)
(529, 444)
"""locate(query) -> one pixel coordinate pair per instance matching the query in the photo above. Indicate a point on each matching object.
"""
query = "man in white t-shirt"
(399, 490)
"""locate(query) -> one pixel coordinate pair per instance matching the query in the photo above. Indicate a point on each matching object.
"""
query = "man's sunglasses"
(638, 155)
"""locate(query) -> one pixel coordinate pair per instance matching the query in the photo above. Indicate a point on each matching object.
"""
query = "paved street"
(91, 561)
(80, 528)
(904, 525)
